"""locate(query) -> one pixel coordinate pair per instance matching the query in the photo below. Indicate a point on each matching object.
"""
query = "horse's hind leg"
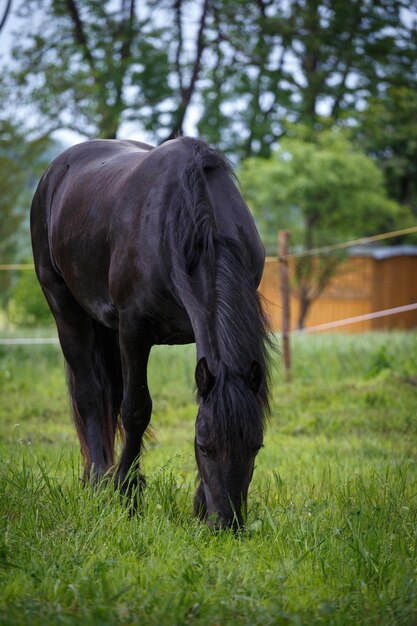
(87, 378)
(96, 387)
(110, 368)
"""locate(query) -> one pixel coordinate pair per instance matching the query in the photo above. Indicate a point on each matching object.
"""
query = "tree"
(388, 132)
(3, 18)
(186, 72)
(251, 66)
(323, 191)
(294, 61)
(90, 66)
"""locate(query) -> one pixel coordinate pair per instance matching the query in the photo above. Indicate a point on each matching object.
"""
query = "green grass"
(331, 536)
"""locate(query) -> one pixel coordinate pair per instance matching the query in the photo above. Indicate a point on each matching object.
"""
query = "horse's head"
(229, 434)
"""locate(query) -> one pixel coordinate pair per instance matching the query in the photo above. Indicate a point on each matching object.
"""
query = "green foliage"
(388, 131)
(90, 66)
(323, 190)
(27, 305)
(21, 162)
(252, 66)
(331, 533)
(380, 362)
(277, 61)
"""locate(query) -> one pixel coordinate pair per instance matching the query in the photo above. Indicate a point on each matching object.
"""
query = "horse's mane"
(233, 308)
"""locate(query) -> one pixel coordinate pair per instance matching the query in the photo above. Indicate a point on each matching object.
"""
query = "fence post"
(285, 298)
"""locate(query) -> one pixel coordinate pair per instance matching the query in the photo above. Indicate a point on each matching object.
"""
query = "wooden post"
(285, 298)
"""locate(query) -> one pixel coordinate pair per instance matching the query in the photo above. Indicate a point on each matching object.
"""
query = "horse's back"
(83, 175)
(73, 213)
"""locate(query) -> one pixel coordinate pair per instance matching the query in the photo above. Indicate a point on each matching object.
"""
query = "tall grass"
(331, 536)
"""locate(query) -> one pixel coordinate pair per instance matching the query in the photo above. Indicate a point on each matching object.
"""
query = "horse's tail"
(108, 371)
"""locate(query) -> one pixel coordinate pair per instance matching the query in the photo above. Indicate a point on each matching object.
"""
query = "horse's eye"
(204, 450)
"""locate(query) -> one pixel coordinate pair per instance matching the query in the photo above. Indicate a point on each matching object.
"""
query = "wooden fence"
(369, 280)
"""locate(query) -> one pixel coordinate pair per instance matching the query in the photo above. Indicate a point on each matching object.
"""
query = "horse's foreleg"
(136, 406)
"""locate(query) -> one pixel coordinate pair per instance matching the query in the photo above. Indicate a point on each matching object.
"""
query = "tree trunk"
(5, 14)
(187, 91)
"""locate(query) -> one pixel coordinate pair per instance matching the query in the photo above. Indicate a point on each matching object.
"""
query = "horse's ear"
(254, 378)
(203, 377)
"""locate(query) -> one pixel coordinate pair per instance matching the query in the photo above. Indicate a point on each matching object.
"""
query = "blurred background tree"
(323, 190)
(27, 305)
(91, 66)
(248, 67)
(388, 132)
(21, 164)
(311, 61)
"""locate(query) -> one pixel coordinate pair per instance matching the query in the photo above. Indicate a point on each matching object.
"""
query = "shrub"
(27, 306)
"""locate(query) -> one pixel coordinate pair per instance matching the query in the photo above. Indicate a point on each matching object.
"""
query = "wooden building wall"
(395, 284)
(361, 285)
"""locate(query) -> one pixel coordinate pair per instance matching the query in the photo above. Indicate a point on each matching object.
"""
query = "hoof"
(94, 476)
(130, 488)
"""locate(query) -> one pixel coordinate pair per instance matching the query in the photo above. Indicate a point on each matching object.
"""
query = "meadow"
(331, 535)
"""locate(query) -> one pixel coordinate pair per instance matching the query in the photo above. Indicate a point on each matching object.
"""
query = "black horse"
(136, 246)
